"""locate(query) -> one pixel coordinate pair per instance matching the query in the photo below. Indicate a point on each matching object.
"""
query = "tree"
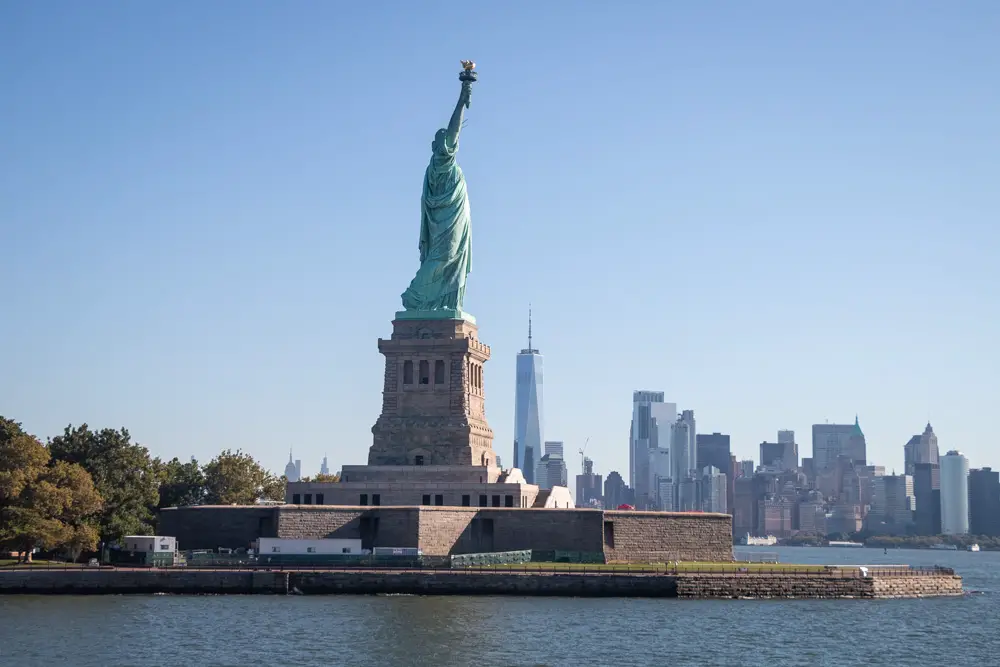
(43, 503)
(123, 473)
(180, 483)
(235, 478)
(322, 478)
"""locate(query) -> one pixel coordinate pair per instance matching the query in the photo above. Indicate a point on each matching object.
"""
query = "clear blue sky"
(777, 213)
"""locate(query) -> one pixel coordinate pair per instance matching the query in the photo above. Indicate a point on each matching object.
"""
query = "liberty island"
(433, 502)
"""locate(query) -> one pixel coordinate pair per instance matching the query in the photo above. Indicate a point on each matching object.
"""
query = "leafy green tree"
(235, 478)
(180, 483)
(322, 478)
(123, 473)
(43, 503)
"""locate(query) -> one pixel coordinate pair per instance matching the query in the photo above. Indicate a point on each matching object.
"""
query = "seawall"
(445, 582)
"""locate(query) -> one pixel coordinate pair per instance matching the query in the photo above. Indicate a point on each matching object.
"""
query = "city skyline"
(219, 254)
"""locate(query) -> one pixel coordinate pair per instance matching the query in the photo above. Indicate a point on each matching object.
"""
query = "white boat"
(973, 547)
(835, 543)
(945, 547)
(752, 541)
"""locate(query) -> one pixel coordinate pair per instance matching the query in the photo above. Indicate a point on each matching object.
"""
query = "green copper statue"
(438, 289)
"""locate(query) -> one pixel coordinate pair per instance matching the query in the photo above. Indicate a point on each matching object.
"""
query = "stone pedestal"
(433, 402)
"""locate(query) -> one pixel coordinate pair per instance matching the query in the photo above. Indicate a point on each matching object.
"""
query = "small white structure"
(149, 543)
(268, 546)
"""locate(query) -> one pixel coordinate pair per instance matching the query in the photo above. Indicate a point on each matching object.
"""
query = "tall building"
(616, 491)
(910, 454)
(649, 431)
(745, 468)
(830, 441)
(926, 493)
(893, 503)
(984, 502)
(324, 468)
(790, 452)
(954, 494)
(686, 459)
(713, 490)
(588, 486)
(683, 447)
(921, 448)
(528, 423)
(771, 454)
(551, 469)
(714, 450)
(293, 470)
(926, 450)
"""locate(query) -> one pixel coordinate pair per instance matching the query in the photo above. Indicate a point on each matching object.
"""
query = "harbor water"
(362, 631)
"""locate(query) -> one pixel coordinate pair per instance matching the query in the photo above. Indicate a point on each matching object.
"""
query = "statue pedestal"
(433, 400)
(435, 315)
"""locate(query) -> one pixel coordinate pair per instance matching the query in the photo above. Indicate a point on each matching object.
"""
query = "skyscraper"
(926, 449)
(713, 490)
(926, 493)
(588, 486)
(688, 448)
(293, 470)
(831, 441)
(551, 469)
(616, 492)
(790, 454)
(650, 431)
(324, 468)
(954, 494)
(714, 450)
(984, 502)
(893, 503)
(528, 410)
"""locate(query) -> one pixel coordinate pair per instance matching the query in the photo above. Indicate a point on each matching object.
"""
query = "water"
(402, 630)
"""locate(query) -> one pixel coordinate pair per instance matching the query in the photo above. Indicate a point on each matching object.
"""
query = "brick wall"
(667, 536)
(396, 527)
(446, 530)
(637, 536)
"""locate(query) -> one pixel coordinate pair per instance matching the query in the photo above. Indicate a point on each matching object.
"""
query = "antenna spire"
(529, 326)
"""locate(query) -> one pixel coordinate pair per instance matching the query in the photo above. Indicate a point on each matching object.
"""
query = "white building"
(158, 543)
(528, 423)
(267, 546)
(954, 494)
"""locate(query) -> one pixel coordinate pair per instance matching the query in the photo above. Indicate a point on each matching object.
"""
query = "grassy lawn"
(658, 567)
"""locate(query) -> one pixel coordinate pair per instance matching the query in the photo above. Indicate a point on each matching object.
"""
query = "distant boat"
(973, 547)
(945, 547)
(752, 541)
(836, 543)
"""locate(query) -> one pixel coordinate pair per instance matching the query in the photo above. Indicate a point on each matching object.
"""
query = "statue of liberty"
(445, 223)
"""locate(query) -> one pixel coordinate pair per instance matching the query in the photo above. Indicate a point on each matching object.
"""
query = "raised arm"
(459, 114)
